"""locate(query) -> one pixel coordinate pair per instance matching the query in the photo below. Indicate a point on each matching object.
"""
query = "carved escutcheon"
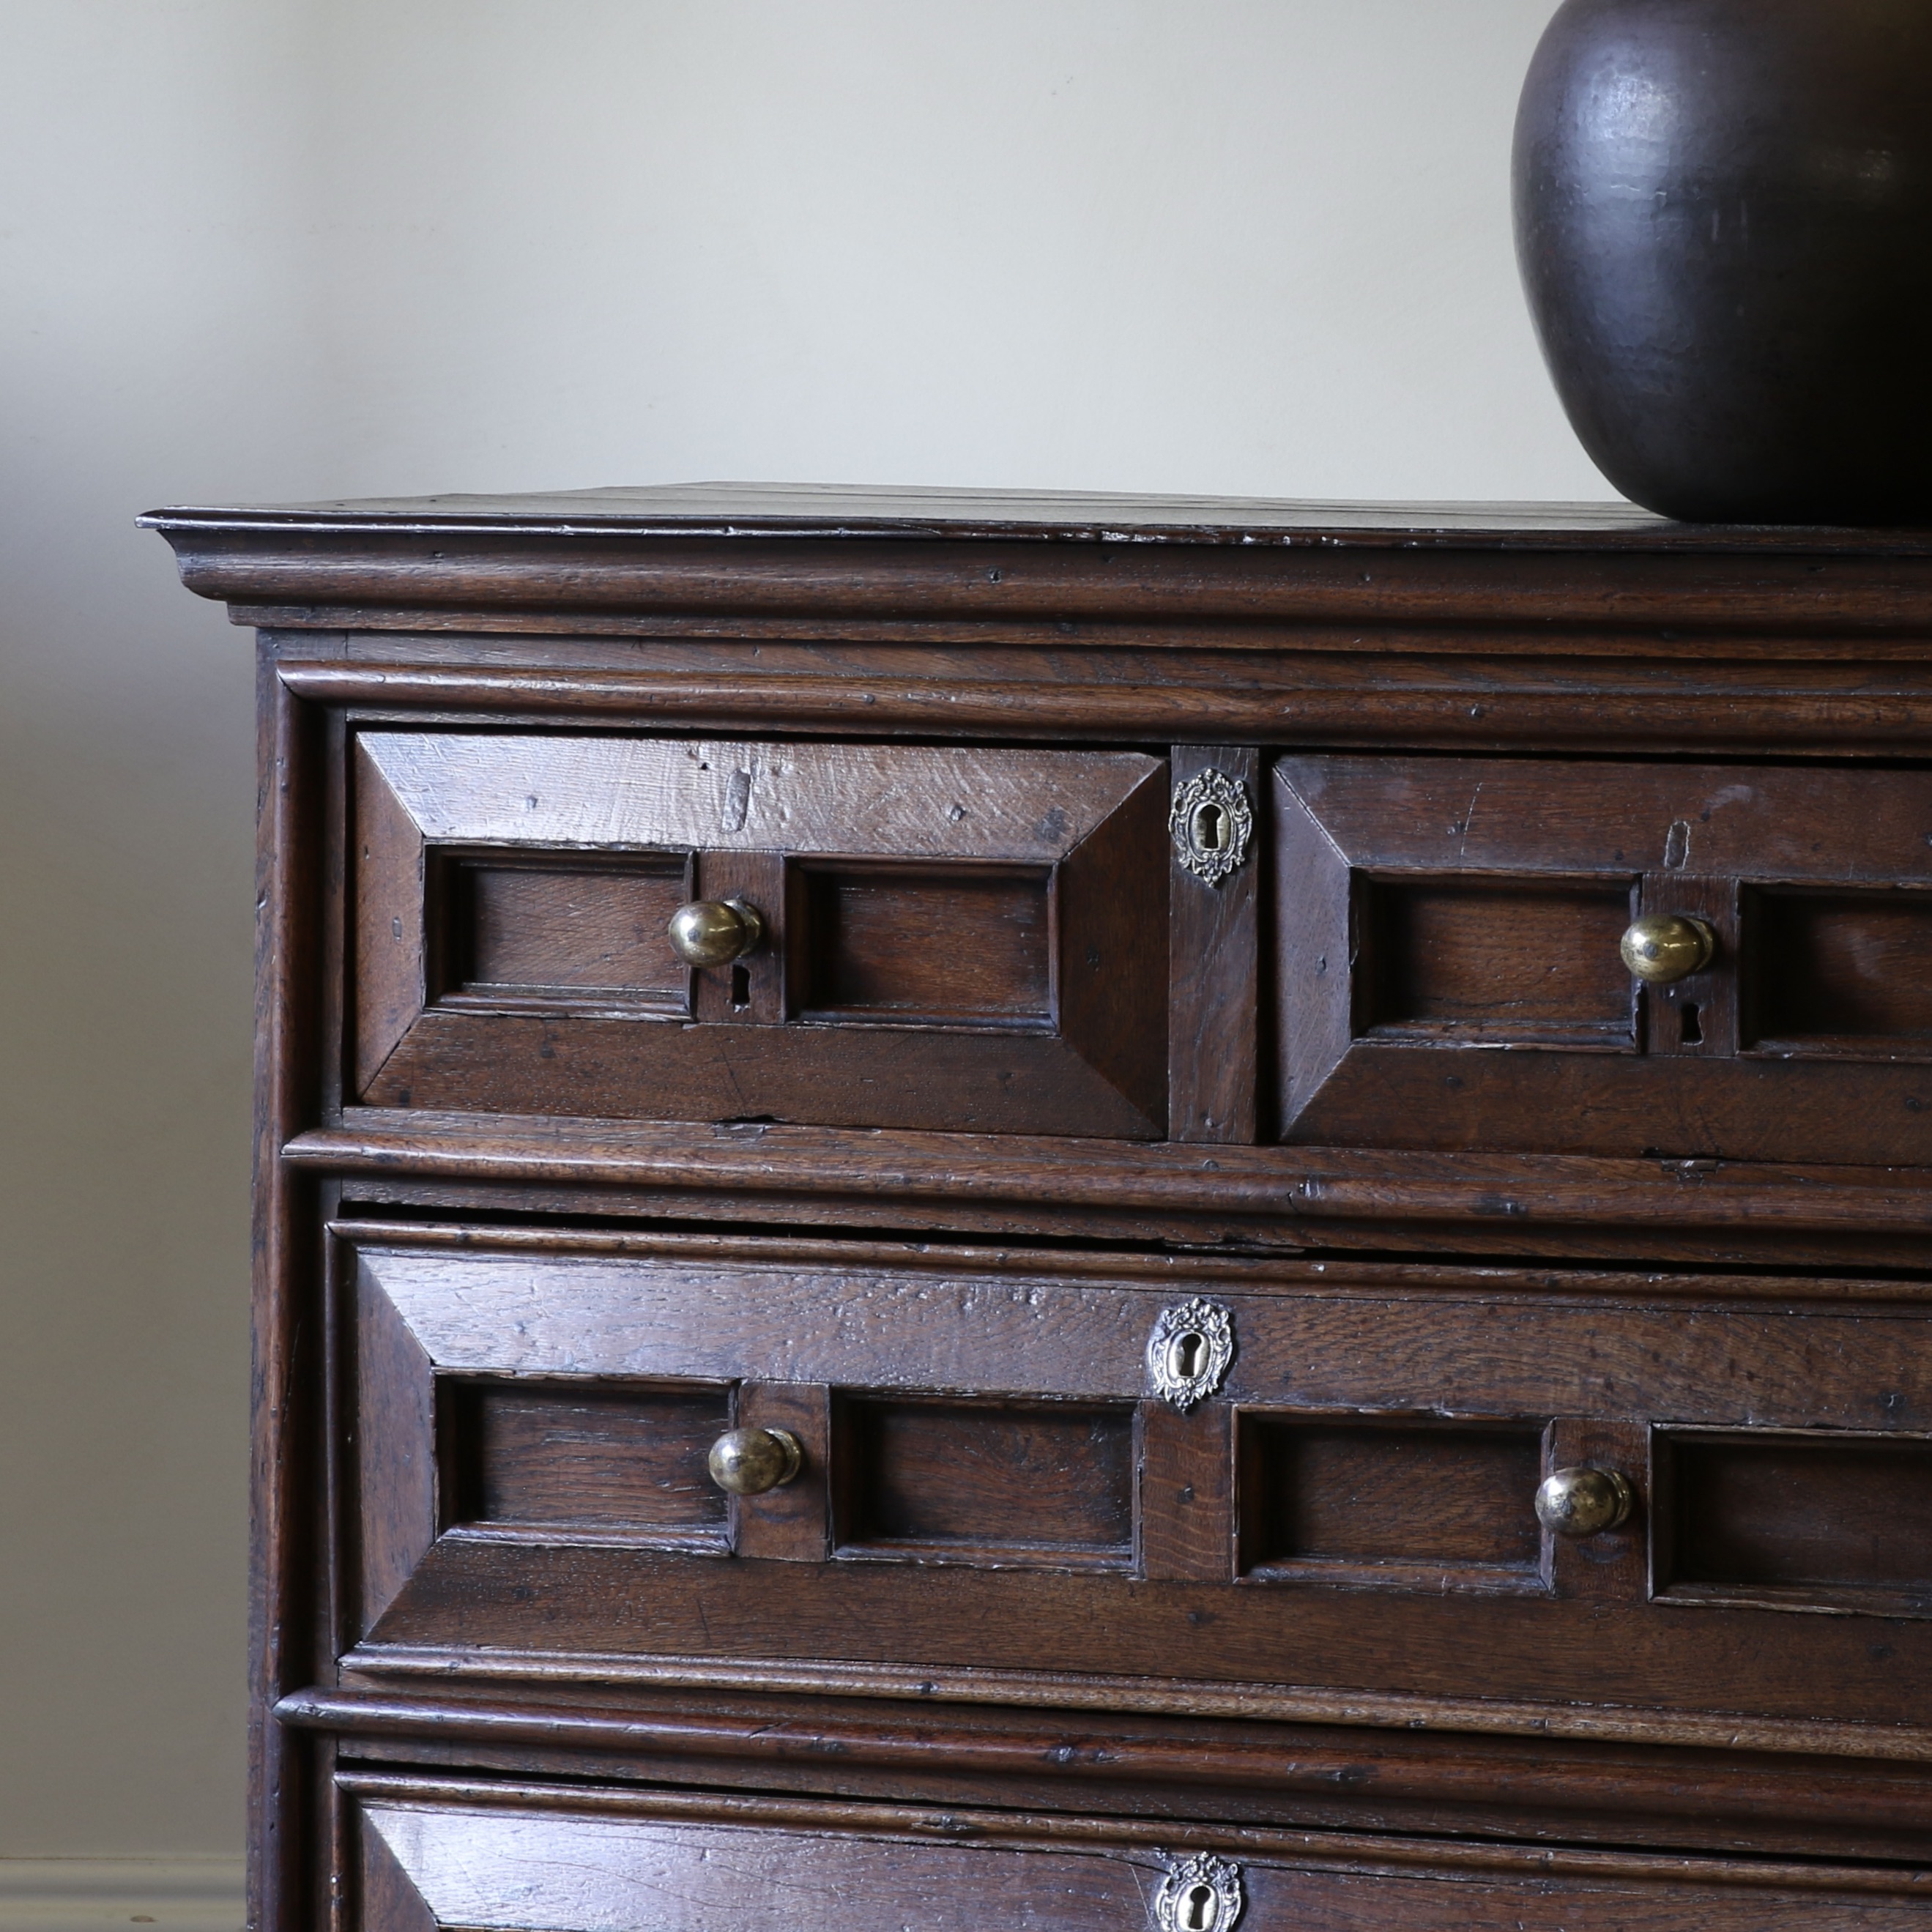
(1202, 1894)
(1212, 823)
(1190, 1351)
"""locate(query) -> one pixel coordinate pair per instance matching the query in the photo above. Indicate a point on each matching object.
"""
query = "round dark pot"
(1724, 214)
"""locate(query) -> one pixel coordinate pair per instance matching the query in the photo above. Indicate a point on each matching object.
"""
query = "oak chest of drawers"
(982, 1211)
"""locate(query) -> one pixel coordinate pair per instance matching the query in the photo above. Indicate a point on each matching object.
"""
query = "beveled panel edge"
(1370, 1855)
(1379, 1854)
(1383, 813)
(1292, 1182)
(600, 793)
(1250, 1273)
(1180, 1696)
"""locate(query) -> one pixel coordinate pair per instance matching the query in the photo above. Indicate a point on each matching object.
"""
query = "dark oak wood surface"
(1477, 1206)
(1447, 932)
(949, 937)
(1142, 1765)
(1386, 1446)
(597, 1859)
(1687, 1212)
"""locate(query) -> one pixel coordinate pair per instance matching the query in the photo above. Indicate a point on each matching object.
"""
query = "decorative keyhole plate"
(1190, 1351)
(1212, 823)
(1202, 1894)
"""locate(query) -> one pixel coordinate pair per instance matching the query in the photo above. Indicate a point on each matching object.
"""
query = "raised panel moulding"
(860, 800)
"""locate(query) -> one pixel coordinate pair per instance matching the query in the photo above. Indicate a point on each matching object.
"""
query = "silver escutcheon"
(1212, 824)
(1190, 1351)
(1202, 1894)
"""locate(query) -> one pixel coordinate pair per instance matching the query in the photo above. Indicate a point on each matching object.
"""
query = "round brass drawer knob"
(1584, 1502)
(1668, 947)
(748, 1461)
(714, 932)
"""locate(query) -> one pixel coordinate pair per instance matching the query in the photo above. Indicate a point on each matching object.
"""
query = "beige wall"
(260, 249)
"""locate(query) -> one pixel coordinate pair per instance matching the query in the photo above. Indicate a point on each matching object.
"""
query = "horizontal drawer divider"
(1301, 1183)
(1280, 676)
(1436, 1766)
(1291, 1703)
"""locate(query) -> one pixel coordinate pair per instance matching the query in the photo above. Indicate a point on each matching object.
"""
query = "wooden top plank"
(820, 511)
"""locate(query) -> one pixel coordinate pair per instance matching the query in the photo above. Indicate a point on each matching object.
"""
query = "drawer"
(531, 1859)
(933, 937)
(1451, 974)
(1309, 1490)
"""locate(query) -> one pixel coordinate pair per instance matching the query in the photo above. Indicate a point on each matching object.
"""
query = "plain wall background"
(265, 249)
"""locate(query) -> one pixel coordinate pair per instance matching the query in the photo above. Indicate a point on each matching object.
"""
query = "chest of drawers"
(979, 1211)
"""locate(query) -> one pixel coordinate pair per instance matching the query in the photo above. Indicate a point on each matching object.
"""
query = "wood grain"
(500, 1672)
(389, 976)
(928, 802)
(579, 1613)
(903, 1076)
(1512, 717)
(1523, 964)
(1472, 923)
(1045, 1829)
(1713, 1211)
(1531, 817)
(592, 1461)
(1086, 956)
(1171, 1271)
(388, 1898)
(992, 1483)
(949, 946)
(1278, 684)
(1130, 1766)
(1419, 1505)
(1665, 1107)
(1187, 1513)
(595, 1861)
(564, 933)
(791, 1524)
(1817, 1521)
(1509, 1356)
(750, 992)
(1111, 932)
(291, 1551)
(1215, 994)
(395, 1436)
(1848, 972)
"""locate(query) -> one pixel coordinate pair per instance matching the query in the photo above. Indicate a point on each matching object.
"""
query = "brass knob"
(1667, 947)
(748, 1461)
(714, 932)
(1584, 1502)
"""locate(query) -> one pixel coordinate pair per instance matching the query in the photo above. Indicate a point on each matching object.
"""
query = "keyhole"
(741, 988)
(1184, 1354)
(1203, 1909)
(1692, 1024)
(1210, 828)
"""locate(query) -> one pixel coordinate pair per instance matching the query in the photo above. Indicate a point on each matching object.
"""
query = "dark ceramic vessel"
(1724, 214)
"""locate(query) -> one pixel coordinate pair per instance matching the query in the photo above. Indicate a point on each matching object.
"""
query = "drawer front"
(531, 1860)
(939, 938)
(1450, 975)
(1290, 1486)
